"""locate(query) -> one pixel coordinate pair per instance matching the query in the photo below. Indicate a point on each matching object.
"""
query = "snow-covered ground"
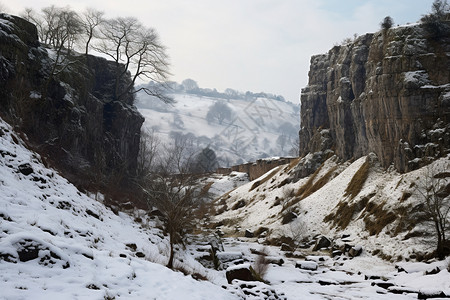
(250, 134)
(58, 243)
(82, 250)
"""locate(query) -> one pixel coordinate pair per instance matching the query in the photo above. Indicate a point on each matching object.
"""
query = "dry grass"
(205, 189)
(293, 163)
(358, 180)
(265, 179)
(310, 187)
(376, 218)
(344, 212)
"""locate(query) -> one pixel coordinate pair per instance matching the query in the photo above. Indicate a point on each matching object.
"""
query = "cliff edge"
(387, 93)
(71, 118)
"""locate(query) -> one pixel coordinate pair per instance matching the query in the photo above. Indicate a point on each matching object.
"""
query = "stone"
(355, 251)
(248, 234)
(26, 169)
(307, 265)
(240, 272)
(322, 242)
(286, 247)
(288, 217)
(74, 122)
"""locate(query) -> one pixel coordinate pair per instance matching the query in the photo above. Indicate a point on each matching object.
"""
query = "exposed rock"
(73, 116)
(27, 249)
(355, 251)
(386, 93)
(248, 234)
(239, 204)
(240, 272)
(286, 247)
(26, 169)
(288, 217)
(322, 242)
(307, 265)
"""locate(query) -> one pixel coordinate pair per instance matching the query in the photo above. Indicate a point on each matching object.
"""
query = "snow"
(101, 265)
(417, 78)
(251, 133)
(93, 257)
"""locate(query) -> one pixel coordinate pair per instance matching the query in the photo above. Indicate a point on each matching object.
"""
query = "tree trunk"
(171, 256)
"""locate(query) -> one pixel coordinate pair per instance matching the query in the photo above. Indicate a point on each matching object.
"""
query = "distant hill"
(238, 129)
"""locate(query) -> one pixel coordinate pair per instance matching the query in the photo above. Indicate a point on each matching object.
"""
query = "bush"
(261, 265)
(434, 23)
(387, 23)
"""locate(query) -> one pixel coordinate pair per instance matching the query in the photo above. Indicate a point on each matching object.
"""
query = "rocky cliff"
(70, 118)
(387, 93)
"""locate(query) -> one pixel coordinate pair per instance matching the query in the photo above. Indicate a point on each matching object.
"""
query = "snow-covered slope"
(251, 133)
(380, 216)
(58, 243)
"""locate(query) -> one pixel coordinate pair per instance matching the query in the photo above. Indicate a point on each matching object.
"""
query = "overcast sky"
(248, 45)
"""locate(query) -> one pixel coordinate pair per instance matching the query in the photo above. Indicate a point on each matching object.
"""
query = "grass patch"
(377, 218)
(358, 180)
(310, 187)
(265, 179)
(344, 212)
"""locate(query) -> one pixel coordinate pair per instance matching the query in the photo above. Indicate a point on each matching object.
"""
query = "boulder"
(286, 247)
(322, 242)
(355, 251)
(307, 265)
(26, 169)
(240, 272)
(288, 217)
(249, 234)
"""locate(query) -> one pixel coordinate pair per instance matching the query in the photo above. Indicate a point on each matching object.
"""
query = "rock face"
(387, 93)
(70, 118)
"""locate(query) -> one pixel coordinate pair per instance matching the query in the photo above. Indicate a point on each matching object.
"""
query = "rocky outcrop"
(387, 93)
(70, 118)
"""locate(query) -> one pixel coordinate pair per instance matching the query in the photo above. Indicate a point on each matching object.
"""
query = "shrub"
(434, 23)
(261, 265)
(387, 23)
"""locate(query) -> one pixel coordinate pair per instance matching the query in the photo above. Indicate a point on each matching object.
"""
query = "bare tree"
(219, 111)
(137, 50)
(433, 189)
(179, 155)
(189, 85)
(175, 199)
(91, 19)
(149, 147)
(32, 16)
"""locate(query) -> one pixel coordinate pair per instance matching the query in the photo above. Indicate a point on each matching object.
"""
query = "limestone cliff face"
(71, 117)
(387, 93)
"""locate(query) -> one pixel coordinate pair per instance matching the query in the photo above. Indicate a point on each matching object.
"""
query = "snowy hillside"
(257, 128)
(381, 215)
(57, 243)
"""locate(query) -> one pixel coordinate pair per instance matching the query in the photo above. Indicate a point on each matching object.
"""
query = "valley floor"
(58, 243)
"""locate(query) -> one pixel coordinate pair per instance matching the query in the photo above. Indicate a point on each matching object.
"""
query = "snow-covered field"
(58, 243)
(250, 134)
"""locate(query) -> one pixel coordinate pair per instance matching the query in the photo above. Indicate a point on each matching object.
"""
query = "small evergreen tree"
(387, 23)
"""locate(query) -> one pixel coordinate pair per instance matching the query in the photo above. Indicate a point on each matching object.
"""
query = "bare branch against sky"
(256, 45)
